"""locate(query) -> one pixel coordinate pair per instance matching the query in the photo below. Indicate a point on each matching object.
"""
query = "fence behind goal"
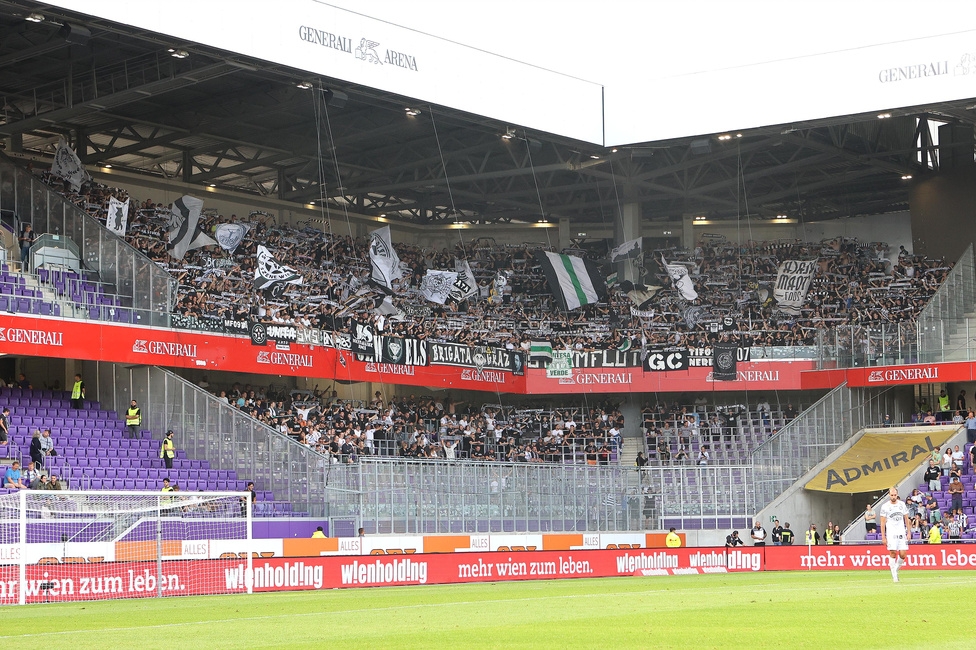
(60, 546)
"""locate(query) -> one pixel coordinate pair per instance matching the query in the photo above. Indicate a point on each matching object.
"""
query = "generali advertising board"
(48, 337)
(70, 339)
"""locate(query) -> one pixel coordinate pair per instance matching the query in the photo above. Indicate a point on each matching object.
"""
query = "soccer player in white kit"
(895, 529)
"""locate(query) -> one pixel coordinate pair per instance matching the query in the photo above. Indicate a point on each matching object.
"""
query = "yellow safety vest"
(943, 403)
(133, 416)
(76, 391)
(168, 450)
(672, 540)
(810, 538)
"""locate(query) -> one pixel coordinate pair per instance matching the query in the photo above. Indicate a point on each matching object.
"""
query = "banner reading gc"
(879, 460)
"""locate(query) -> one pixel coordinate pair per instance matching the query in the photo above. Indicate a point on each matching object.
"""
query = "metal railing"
(945, 315)
(144, 287)
(696, 497)
(817, 432)
(941, 332)
(405, 496)
(210, 429)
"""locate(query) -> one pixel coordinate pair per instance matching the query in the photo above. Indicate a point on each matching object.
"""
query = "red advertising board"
(919, 373)
(92, 340)
(104, 580)
(755, 375)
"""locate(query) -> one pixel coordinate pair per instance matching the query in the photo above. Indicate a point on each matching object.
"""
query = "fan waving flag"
(573, 281)
(682, 281)
(230, 235)
(384, 260)
(118, 216)
(67, 165)
(437, 285)
(271, 276)
(629, 250)
(183, 222)
(466, 285)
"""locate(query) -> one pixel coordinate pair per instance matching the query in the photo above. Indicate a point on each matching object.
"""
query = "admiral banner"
(476, 357)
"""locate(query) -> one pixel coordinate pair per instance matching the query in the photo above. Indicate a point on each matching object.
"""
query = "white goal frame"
(64, 545)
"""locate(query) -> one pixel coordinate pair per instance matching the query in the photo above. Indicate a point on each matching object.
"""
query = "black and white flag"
(230, 235)
(466, 285)
(682, 281)
(271, 276)
(437, 285)
(793, 278)
(183, 220)
(118, 216)
(383, 259)
(629, 250)
(67, 165)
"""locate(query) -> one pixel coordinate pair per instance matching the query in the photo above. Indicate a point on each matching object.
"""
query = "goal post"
(65, 545)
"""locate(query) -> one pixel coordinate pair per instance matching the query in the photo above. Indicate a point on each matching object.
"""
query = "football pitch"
(767, 610)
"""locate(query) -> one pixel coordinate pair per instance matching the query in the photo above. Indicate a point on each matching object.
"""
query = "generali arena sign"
(96, 341)
(105, 580)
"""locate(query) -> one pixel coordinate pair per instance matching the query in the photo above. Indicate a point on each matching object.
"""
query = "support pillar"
(565, 236)
(626, 228)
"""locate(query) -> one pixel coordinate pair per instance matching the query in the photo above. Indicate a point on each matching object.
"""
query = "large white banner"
(793, 279)
(117, 219)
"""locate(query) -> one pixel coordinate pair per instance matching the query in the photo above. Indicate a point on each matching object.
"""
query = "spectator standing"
(133, 419)
(27, 239)
(167, 451)
(776, 535)
(971, 427)
(812, 537)
(870, 520)
(786, 535)
(78, 393)
(758, 534)
(4, 425)
(36, 453)
(956, 491)
(932, 475)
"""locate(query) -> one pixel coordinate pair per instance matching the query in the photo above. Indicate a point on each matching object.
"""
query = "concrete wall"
(943, 207)
(801, 507)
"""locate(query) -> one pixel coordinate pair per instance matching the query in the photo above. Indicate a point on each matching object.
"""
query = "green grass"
(774, 610)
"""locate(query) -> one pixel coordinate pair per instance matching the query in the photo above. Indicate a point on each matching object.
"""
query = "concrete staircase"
(961, 345)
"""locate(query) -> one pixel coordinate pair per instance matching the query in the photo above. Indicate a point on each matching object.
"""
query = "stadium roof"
(143, 102)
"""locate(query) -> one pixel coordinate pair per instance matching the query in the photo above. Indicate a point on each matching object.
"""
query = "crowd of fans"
(862, 285)
(425, 427)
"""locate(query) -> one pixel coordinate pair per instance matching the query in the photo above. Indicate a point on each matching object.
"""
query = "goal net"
(60, 546)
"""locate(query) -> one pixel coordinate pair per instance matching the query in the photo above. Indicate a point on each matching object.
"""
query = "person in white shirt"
(703, 455)
(893, 515)
(958, 456)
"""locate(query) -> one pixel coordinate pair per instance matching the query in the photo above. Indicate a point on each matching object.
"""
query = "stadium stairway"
(94, 452)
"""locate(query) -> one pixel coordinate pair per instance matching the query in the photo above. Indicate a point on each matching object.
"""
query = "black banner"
(362, 340)
(261, 333)
(666, 359)
(703, 357)
(258, 333)
(477, 357)
(726, 357)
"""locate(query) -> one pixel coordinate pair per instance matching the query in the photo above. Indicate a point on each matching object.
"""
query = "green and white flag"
(573, 281)
(540, 351)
